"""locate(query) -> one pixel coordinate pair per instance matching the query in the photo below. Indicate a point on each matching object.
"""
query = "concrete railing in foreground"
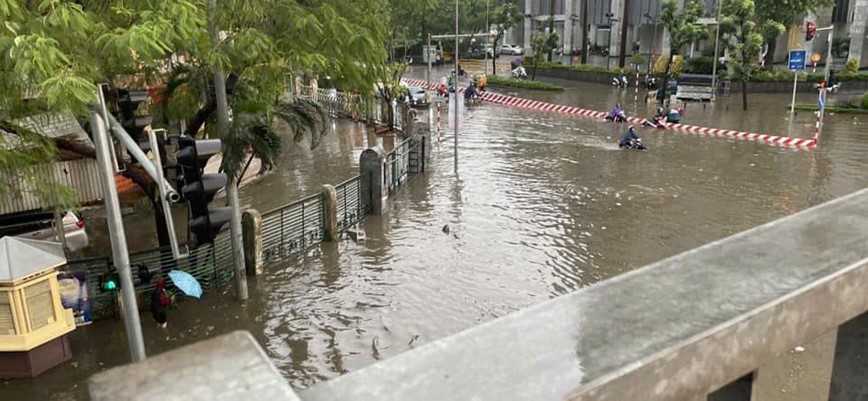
(674, 330)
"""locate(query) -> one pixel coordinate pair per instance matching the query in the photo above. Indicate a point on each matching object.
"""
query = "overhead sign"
(797, 60)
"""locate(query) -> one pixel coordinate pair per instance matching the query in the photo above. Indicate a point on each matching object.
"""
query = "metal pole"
(829, 55)
(795, 82)
(120, 253)
(231, 186)
(716, 49)
(651, 50)
(428, 73)
(455, 123)
(487, 37)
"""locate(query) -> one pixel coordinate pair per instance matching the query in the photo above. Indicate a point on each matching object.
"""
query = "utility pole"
(586, 47)
(716, 47)
(120, 253)
(231, 186)
(487, 37)
(551, 29)
(624, 22)
(455, 86)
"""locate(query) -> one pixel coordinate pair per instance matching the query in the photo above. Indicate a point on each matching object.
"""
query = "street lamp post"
(610, 18)
(716, 47)
(455, 92)
(573, 18)
(487, 37)
(653, 39)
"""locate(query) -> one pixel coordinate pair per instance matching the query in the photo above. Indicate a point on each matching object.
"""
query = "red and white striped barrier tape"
(806, 143)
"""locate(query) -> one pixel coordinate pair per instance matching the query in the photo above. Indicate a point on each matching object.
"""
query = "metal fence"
(398, 164)
(210, 264)
(352, 206)
(348, 105)
(81, 175)
(292, 228)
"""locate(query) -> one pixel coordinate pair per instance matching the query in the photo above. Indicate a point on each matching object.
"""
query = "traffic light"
(199, 188)
(109, 282)
(128, 103)
(810, 31)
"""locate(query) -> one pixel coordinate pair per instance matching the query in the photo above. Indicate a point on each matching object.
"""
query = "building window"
(7, 325)
(840, 11)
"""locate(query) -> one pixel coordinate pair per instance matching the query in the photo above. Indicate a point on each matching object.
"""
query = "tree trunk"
(743, 94)
(622, 55)
(770, 56)
(231, 189)
(668, 70)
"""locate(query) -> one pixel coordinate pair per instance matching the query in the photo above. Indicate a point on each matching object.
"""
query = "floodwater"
(543, 204)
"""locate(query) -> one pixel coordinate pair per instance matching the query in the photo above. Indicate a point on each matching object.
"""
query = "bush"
(864, 101)
(851, 67)
(523, 84)
(677, 65)
(702, 65)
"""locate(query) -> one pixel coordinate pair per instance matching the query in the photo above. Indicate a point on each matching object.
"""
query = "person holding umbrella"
(159, 302)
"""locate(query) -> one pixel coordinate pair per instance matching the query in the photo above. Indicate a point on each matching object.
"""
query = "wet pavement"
(544, 204)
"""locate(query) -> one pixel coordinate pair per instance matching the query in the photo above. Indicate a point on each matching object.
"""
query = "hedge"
(759, 76)
(523, 84)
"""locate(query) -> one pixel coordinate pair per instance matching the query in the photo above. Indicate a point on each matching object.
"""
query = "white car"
(510, 49)
(42, 229)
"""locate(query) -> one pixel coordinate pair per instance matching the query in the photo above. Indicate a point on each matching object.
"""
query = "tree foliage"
(744, 39)
(774, 16)
(683, 28)
(53, 53)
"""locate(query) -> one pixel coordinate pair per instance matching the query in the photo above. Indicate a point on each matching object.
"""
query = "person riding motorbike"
(471, 92)
(630, 140)
(658, 121)
(481, 82)
(617, 114)
(674, 116)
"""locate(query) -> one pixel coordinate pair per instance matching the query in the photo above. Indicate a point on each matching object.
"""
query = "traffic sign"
(797, 60)
(815, 58)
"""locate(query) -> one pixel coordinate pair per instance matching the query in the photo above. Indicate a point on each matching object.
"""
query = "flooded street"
(544, 204)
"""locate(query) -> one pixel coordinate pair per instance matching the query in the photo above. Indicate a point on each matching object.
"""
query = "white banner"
(452, 97)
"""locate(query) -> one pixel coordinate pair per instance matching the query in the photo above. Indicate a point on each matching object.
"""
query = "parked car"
(511, 49)
(417, 97)
(40, 226)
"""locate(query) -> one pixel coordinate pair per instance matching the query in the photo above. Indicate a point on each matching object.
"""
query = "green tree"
(743, 37)
(774, 16)
(504, 14)
(53, 53)
(543, 43)
(682, 27)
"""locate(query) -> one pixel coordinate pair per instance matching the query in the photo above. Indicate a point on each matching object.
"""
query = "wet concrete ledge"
(231, 367)
(674, 330)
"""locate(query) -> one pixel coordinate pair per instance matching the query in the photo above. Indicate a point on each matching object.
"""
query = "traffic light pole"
(120, 252)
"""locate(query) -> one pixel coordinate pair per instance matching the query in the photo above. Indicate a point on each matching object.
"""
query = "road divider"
(800, 143)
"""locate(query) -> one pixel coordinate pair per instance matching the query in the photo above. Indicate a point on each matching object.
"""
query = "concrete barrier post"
(372, 173)
(251, 229)
(802, 374)
(330, 213)
(422, 137)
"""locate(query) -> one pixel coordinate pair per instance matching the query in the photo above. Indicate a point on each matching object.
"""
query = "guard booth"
(695, 87)
(33, 322)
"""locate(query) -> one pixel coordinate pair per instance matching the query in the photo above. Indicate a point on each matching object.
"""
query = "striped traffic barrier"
(802, 143)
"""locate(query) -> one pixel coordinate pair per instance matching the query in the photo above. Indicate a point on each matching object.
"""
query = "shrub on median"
(864, 103)
(523, 84)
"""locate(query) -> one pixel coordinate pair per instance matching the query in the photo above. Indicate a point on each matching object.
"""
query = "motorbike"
(519, 72)
(635, 144)
(650, 83)
(620, 82)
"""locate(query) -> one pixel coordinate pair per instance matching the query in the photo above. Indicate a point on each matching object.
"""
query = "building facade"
(604, 20)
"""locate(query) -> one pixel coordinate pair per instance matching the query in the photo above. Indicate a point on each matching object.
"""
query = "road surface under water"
(544, 204)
